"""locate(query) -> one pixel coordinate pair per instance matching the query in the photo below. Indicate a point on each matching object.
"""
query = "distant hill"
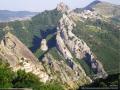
(6, 15)
(104, 8)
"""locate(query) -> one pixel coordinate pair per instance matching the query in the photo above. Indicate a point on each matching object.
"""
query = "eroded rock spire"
(63, 7)
(68, 44)
(44, 46)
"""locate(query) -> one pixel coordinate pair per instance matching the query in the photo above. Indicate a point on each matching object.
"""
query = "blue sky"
(41, 5)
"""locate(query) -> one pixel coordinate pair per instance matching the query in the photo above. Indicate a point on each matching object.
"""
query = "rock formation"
(62, 7)
(66, 70)
(64, 74)
(68, 42)
(44, 46)
(19, 57)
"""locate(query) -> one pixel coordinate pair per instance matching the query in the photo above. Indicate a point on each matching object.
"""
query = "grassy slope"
(103, 38)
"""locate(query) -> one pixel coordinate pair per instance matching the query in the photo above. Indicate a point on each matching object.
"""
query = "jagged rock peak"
(63, 7)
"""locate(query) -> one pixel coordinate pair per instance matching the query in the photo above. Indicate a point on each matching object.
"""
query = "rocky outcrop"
(44, 46)
(63, 8)
(20, 57)
(60, 71)
(62, 47)
(75, 44)
(68, 42)
(65, 46)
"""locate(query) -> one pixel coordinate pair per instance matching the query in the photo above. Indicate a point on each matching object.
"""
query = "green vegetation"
(21, 79)
(103, 41)
(30, 30)
(1, 34)
(102, 37)
(55, 54)
(110, 81)
(6, 76)
(87, 69)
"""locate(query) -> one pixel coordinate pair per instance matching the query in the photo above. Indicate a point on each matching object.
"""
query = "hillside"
(6, 15)
(104, 8)
(73, 48)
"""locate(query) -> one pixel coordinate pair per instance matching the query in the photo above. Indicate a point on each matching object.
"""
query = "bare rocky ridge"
(19, 57)
(68, 42)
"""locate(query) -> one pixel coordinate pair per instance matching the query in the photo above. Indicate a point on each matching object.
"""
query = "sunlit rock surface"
(44, 46)
(20, 57)
(72, 44)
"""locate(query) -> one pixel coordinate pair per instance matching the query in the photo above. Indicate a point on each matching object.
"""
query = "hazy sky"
(40, 5)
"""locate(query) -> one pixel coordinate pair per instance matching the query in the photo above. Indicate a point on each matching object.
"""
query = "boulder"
(62, 7)
(44, 46)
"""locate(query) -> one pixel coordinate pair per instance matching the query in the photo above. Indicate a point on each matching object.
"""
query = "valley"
(71, 47)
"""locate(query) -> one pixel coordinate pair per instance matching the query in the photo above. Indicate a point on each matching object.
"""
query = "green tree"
(6, 76)
(26, 80)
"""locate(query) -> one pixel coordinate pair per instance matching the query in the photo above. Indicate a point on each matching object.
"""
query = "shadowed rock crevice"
(36, 44)
(43, 35)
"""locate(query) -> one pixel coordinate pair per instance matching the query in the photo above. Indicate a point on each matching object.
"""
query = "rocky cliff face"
(68, 43)
(19, 57)
(67, 72)
(70, 48)
(64, 72)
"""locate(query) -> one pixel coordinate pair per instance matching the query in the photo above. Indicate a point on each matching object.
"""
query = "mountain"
(19, 57)
(104, 8)
(6, 15)
(69, 47)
